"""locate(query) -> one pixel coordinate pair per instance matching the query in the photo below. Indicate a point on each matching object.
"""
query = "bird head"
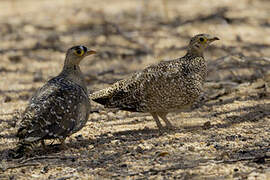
(75, 54)
(200, 42)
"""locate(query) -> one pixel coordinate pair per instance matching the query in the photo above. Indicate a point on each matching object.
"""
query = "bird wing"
(129, 94)
(52, 111)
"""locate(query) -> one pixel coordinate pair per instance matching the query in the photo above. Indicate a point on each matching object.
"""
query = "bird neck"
(73, 73)
(71, 69)
(196, 63)
(194, 52)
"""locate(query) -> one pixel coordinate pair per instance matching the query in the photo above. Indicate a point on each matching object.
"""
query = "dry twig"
(47, 157)
(19, 166)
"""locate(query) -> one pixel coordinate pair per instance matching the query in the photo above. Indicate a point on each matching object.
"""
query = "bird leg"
(62, 143)
(43, 144)
(157, 120)
(164, 118)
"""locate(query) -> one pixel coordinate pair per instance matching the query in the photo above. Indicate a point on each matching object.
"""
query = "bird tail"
(103, 96)
(25, 144)
(23, 149)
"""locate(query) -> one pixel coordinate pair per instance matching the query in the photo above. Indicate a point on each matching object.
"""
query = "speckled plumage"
(61, 107)
(169, 86)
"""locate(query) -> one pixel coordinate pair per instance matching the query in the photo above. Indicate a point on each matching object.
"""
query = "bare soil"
(225, 135)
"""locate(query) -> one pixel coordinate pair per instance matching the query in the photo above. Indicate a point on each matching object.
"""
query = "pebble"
(139, 148)
(95, 116)
(191, 148)
(38, 77)
(111, 116)
(15, 59)
(115, 142)
(103, 117)
(207, 125)
(7, 99)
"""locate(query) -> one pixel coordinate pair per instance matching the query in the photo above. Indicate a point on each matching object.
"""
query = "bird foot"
(162, 130)
(43, 144)
(170, 127)
(166, 129)
(63, 145)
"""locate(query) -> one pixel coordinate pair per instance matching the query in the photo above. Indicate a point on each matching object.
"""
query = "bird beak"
(213, 39)
(89, 52)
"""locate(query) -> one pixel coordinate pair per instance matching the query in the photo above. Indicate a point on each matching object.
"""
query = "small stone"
(162, 154)
(139, 148)
(115, 142)
(90, 146)
(15, 59)
(29, 29)
(103, 117)
(177, 135)
(24, 97)
(7, 99)
(146, 128)
(260, 160)
(111, 116)
(103, 112)
(35, 176)
(207, 125)
(38, 77)
(231, 138)
(109, 134)
(79, 137)
(119, 117)
(191, 148)
(124, 165)
(101, 39)
(53, 38)
(44, 170)
(218, 147)
(95, 117)
(267, 154)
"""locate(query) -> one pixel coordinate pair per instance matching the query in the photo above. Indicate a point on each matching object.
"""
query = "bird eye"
(202, 39)
(79, 52)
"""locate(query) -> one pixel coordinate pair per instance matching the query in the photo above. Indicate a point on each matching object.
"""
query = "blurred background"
(130, 35)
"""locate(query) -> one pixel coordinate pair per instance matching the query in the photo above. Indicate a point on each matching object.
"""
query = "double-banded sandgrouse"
(169, 86)
(59, 108)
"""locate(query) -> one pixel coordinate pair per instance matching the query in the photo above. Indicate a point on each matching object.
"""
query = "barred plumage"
(159, 89)
(60, 108)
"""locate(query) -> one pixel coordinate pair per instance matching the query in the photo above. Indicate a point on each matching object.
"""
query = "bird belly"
(173, 97)
(83, 114)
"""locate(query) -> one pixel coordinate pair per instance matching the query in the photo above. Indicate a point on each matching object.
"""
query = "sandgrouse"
(59, 108)
(169, 86)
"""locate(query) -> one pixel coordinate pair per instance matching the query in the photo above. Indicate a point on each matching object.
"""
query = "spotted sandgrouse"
(169, 86)
(59, 108)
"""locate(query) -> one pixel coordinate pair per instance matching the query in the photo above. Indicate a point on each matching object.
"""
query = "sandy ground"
(225, 135)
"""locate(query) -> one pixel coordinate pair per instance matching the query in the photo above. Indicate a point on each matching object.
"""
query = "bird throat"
(73, 73)
(71, 69)
(195, 52)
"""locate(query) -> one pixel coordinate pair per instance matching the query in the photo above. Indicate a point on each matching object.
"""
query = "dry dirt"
(226, 134)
